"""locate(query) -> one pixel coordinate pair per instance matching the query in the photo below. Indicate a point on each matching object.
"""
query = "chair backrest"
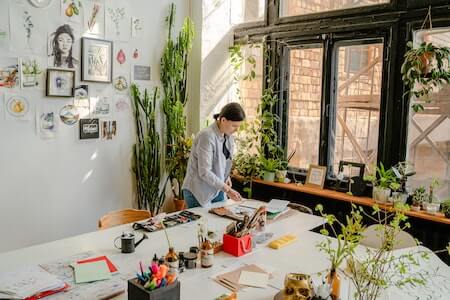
(120, 217)
(301, 208)
(373, 237)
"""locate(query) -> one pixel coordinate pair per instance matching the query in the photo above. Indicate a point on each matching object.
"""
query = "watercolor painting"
(32, 72)
(4, 24)
(17, 107)
(118, 21)
(62, 51)
(120, 83)
(9, 72)
(71, 10)
(69, 114)
(46, 124)
(94, 18)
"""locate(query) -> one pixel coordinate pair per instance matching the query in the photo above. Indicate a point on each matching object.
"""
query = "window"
(244, 11)
(304, 107)
(356, 107)
(304, 7)
(429, 130)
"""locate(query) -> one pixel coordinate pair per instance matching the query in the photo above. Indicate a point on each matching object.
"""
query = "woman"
(207, 177)
(62, 44)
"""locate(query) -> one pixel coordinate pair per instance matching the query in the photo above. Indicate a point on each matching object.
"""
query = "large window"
(356, 106)
(304, 107)
(244, 11)
(303, 7)
(429, 130)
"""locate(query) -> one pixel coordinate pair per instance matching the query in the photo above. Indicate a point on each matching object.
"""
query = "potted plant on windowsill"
(446, 208)
(419, 196)
(268, 168)
(383, 181)
(432, 205)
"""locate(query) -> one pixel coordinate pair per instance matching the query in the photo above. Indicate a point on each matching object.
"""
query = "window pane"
(305, 91)
(354, 132)
(243, 11)
(304, 7)
(429, 130)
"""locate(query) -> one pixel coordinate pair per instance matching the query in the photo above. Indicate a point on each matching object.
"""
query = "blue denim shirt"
(208, 168)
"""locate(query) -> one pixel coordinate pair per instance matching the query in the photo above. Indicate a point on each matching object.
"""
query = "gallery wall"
(52, 183)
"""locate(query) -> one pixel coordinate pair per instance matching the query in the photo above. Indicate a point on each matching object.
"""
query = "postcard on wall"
(94, 18)
(4, 24)
(121, 57)
(9, 72)
(69, 114)
(17, 107)
(140, 72)
(71, 10)
(137, 25)
(120, 83)
(121, 102)
(81, 100)
(32, 72)
(27, 25)
(63, 47)
(118, 20)
(109, 130)
(46, 124)
(100, 106)
(89, 129)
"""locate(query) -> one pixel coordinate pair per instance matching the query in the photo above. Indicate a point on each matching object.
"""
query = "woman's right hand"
(234, 195)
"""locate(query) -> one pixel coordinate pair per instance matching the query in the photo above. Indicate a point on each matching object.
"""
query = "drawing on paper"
(109, 130)
(69, 114)
(60, 46)
(9, 72)
(116, 15)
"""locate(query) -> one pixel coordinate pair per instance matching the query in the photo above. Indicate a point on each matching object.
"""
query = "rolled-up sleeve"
(205, 151)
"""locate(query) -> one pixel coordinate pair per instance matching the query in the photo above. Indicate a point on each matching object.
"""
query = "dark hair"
(56, 51)
(232, 111)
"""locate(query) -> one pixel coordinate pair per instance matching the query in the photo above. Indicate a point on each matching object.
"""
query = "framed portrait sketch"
(96, 60)
(60, 83)
(316, 176)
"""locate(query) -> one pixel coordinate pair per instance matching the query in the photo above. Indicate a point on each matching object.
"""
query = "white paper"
(118, 20)
(94, 18)
(276, 205)
(4, 24)
(254, 279)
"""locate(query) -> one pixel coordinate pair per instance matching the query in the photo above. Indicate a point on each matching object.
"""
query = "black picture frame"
(89, 129)
(60, 82)
(90, 48)
(360, 166)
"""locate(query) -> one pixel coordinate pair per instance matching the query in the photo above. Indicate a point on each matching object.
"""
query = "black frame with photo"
(84, 57)
(48, 91)
(94, 135)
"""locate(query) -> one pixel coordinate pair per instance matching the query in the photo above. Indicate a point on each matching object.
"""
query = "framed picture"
(89, 129)
(350, 169)
(316, 176)
(60, 83)
(96, 60)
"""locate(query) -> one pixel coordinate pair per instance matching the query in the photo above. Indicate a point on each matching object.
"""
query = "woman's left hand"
(228, 182)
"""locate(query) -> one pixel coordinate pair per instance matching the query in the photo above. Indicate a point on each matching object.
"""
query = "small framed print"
(89, 129)
(96, 60)
(316, 176)
(60, 83)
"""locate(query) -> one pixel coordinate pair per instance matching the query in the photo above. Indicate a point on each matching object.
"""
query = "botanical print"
(17, 107)
(94, 18)
(32, 73)
(26, 25)
(71, 10)
(4, 24)
(109, 130)
(69, 114)
(61, 48)
(118, 22)
(46, 124)
(9, 72)
(121, 57)
(100, 106)
(136, 27)
(120, 83)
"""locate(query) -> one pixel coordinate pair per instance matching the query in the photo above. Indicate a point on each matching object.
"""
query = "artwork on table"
(46, 124)
(94, 18)
(71, 10)
(137, 24)
(109, 130)
(316, 176)
(81, 100)
(40, 3)
(100, 106)
(121, 102)
(118, 20)
(60, 82)
(62, 50)
(32, 72)
(141, 73)
(96, 64)
(69, 114)
(120, 83)
(17, 107)
(4, 24)
(89, 129)
(9, 72)
(27, 24)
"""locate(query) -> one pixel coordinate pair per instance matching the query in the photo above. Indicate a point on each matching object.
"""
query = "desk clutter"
(154, 224)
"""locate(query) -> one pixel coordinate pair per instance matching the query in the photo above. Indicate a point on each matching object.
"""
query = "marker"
(142, 269)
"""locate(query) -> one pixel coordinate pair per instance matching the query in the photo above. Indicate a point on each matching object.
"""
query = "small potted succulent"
(419, 196)
(383, 181)
(432, 205)
(446, 208)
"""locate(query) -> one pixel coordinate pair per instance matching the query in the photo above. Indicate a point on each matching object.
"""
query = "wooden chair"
(120, 217)
(301, 208)
(373, 238)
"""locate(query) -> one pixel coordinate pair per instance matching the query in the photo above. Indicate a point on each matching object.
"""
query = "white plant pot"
(431, 208)
(399, 198)
(280, 175)
(381, 195)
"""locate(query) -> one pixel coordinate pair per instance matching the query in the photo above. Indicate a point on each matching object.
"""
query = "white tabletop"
(300, 257)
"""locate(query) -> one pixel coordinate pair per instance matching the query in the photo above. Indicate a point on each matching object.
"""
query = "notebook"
(93, 271)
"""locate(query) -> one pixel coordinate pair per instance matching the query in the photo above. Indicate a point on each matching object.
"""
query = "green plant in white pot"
(268, 168)
(432, 205)
(383, 181)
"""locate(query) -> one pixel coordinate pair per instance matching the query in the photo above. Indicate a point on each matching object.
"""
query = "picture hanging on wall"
(32, 73)
(118, 21)
(137, 24)
(96, 60)
(69, 114)
(141, 73)
(60, 82)
(94, 18)
(100, 106)
(121, 102)
(71, 10)
(81, 100)
(46, 124)
(17, 107)
(62, 50)
(9, 72)
(40, 3)
(120, 83)
(109, 130)
(27, 24)
(89, 129)
(4, 24)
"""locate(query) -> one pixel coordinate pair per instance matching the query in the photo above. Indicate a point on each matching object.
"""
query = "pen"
(142, 269)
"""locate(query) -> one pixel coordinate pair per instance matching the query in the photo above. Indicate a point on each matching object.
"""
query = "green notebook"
(94, 271)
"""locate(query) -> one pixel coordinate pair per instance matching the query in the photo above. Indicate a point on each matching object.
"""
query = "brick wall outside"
(301, 7)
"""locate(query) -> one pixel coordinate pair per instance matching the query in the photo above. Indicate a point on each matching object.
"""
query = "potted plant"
(425, 68)
(432, 205)
(268, 168)
(30, 71)
(383, 181)
(446, 208)
(419, 196)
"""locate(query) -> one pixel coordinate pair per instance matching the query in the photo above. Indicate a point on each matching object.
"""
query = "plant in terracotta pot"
(383, 181)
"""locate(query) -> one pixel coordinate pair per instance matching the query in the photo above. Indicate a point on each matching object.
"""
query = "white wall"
(51, 189)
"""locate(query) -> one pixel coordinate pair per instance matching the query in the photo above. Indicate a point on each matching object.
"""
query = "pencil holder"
(137, 292)
(237, 246)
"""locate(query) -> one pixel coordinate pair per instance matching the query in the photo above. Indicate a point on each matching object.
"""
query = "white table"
(300, 257)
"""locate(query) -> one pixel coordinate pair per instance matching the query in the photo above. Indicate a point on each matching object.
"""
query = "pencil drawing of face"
(61, 43)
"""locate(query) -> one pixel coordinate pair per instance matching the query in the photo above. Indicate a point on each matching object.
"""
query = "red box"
(237, 246)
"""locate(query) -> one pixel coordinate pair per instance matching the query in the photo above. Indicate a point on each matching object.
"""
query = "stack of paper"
(91, 271)
(248, 275)
(28, 282)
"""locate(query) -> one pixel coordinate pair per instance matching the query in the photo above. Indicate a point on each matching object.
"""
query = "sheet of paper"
(277, 205)
(93, 271)
(254, 279)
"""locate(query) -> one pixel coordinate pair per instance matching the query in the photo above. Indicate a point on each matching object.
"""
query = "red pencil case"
(237, 246)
